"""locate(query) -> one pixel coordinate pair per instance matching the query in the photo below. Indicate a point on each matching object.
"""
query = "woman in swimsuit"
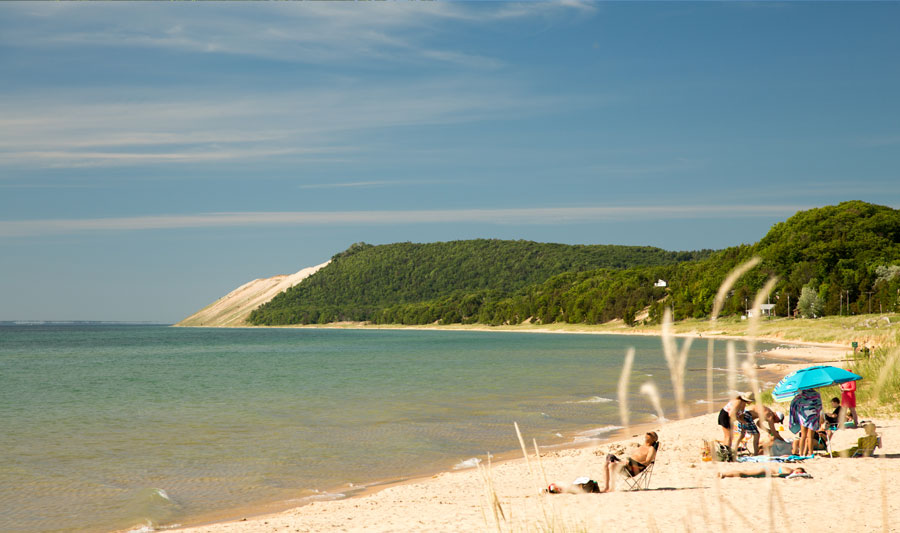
(733, 410)
(781, 471)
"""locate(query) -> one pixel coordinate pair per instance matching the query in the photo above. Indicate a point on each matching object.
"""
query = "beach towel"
(806, 408)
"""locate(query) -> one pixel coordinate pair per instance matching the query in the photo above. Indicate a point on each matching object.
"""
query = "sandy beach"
(685, 493)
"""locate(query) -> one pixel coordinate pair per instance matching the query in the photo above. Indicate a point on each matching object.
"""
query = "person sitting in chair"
(636, 463)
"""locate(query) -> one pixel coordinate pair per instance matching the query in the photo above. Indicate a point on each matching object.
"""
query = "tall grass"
(881, 374)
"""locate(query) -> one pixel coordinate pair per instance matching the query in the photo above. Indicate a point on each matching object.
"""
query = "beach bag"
(724, 454)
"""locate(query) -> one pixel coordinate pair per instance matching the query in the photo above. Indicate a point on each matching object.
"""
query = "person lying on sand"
(636, 463)
(760, 471)
(582, 485)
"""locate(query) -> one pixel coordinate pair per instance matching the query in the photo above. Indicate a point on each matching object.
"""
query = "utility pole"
(789, 306)
(869, 297)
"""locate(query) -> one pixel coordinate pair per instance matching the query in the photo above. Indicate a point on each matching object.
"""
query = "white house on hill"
(661, 283)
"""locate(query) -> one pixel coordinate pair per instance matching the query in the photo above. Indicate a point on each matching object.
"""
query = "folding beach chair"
(639, 482)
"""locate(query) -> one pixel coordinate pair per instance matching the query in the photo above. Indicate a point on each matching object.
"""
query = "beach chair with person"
(637, 468)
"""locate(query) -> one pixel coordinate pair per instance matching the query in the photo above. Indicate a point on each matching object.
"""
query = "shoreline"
(573, 330)
(257, 517)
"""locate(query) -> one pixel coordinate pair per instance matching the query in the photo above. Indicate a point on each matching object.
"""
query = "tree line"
(830, 260)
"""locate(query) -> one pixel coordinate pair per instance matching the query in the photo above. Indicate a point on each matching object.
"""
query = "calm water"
(111, 427)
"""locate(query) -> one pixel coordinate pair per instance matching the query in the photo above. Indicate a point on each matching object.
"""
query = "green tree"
(810, 304)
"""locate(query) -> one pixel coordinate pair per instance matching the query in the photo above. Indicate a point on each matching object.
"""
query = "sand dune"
(234, 308)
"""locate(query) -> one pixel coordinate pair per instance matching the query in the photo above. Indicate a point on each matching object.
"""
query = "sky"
(155, 156)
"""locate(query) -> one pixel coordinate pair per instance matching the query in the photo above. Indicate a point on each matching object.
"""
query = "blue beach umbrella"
(810, 378)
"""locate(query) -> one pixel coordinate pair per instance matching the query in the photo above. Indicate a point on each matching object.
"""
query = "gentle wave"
(593, 399)
(468, 463)
(597, 433)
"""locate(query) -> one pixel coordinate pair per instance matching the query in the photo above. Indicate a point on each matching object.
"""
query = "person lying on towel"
(760, 471)
(636, 463)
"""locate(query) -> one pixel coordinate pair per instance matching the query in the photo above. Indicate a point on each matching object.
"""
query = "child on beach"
(848, 400)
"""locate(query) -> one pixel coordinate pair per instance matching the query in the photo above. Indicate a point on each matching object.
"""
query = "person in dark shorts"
(635, 463)
(732, 412)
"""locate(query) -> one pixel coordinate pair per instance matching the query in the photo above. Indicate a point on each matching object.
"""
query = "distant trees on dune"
(844, 258)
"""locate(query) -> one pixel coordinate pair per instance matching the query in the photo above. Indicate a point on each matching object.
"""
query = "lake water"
(114, 427)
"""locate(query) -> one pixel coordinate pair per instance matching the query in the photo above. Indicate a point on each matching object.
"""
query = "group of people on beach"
(806, 417)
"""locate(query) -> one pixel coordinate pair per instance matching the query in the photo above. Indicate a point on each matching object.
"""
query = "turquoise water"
(112, 427)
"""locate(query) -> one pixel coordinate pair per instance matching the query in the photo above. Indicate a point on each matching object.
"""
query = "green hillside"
(846, 258)
(853, 247)
(364, 280)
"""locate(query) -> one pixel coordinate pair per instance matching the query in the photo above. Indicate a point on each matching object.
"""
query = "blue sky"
(154, 156)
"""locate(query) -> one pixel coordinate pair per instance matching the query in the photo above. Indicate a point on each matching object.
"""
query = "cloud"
(312, 33)
(86, 129)
(507, 216)
(362, 184)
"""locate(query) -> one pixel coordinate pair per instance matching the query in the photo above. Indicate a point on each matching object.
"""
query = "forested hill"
(362, 281)
(830, 256)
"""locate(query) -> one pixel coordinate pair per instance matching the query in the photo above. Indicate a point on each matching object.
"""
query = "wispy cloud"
(521, 216)
(45, 130)
(362, 184)
(305, 33)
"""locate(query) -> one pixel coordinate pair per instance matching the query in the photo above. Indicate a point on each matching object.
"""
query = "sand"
(233, 309)
(685, 493)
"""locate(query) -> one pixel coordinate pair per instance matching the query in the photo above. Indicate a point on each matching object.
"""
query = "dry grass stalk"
(531, 472)
(537, 453)
(885, 519)
(886, 371)
(717, 486)
(623, 386)
(709, 375)
(737, 512)
(718, 303)
(490, 494)
(775, 495)
(731, 358)
(524, 451)
(726, 285)
(755, 315)
(649, 389)
(676, 360)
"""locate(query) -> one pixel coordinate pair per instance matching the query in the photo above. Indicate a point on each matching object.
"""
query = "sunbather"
(636, 463)
(760, 471)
